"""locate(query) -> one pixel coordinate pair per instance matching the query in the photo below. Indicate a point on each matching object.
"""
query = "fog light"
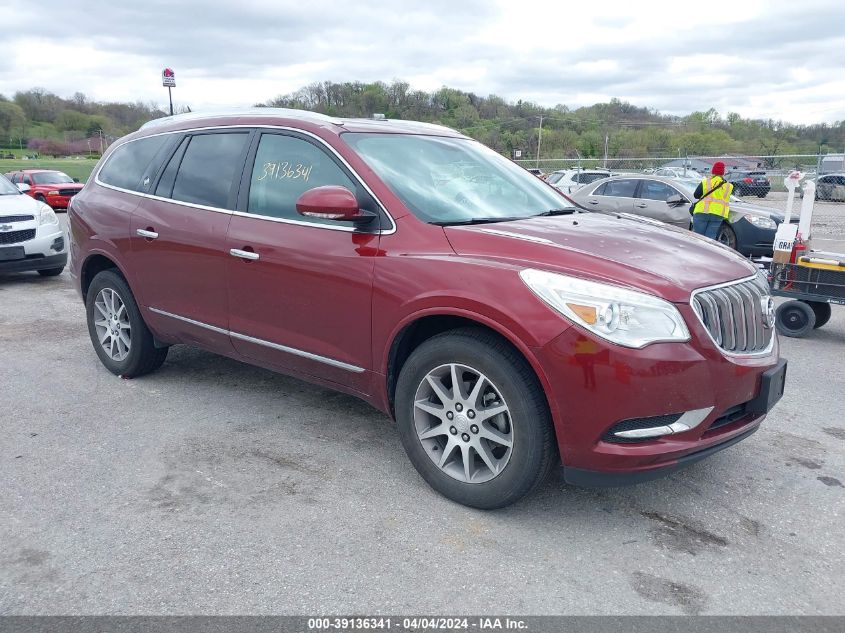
(58, 244)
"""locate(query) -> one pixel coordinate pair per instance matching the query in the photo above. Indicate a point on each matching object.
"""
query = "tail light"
(747, 180)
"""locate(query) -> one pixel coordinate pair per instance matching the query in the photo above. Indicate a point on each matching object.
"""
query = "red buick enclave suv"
(505, 331)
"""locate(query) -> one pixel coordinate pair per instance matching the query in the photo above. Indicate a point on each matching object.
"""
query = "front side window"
(128, 162)
(285, 167)
(446, 180)
(656, 190)
(212, 162)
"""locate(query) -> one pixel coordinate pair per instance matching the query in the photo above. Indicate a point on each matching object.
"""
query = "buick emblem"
(768, 305)
(6, 227)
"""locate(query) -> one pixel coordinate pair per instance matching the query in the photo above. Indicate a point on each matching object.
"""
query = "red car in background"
(54, 188)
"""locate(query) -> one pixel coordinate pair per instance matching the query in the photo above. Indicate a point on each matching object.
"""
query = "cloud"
(767, 60)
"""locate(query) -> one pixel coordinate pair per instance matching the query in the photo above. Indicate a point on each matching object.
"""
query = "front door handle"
(641, 205)
(593, 201)
(250, 255)
(147, 234)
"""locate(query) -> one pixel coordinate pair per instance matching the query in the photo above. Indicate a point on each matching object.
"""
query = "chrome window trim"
(285, 128)
(740, 355)
(251, 339)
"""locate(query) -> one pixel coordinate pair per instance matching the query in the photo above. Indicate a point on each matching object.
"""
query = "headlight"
(626, 317)
(761, 221)
(53, 192)
(48, 216)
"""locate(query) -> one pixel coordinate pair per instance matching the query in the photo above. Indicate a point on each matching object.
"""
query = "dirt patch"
(688, 598)
(677, 534)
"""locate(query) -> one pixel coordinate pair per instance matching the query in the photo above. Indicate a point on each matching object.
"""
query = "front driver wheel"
(726, 236)
(121, 338)
(474, 420)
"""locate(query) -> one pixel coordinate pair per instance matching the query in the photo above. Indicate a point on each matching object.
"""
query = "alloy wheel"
(111, 321)
(463, 423)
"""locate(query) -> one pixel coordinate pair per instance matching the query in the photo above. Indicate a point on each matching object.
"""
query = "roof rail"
(290, 113)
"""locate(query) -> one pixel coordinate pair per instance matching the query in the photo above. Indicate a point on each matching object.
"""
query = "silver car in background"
(654, 197)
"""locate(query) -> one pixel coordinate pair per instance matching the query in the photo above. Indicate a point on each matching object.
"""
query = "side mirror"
(23, 187)
(76, 180)
(676, 200)
(331, 202)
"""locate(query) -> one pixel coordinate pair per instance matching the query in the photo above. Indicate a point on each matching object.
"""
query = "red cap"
(718, 168)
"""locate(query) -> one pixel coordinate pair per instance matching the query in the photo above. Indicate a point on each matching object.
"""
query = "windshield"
(51, 178)
(6, 186)
(555, 177)
(453, 180)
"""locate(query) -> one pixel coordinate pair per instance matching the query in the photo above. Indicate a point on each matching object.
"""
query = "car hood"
(621, 250)
(775, 214)
(14, 204)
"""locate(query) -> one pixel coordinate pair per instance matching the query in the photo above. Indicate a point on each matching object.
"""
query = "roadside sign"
(168, 78)
(792, 180)
(517, 153)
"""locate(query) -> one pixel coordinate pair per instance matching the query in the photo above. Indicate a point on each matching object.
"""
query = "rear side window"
(588, 178)
(129, 162)
(285, 167)
(624, 188)
(212, 162)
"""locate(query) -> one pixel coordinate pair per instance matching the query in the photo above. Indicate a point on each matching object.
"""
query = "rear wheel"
(121, 338)
(726, 236)
(795, 319)
(473, 419)
(51, 272)
(822, 312)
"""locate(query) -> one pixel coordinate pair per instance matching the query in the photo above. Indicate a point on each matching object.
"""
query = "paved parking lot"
(215, 487)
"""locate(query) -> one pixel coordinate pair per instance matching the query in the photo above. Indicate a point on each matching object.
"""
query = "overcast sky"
(763, 59)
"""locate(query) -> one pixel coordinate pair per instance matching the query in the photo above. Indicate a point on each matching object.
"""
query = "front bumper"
(48, 249)
(596, 385)
(58, 202)
(753, 241)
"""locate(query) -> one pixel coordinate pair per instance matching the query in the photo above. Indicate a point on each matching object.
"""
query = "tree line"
(43, 121)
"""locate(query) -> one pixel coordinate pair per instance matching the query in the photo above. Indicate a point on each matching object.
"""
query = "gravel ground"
(214, 487)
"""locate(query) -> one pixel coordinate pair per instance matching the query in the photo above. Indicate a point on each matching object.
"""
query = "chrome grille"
(734, 315)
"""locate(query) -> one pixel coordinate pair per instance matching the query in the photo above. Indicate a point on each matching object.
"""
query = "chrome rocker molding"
(687, 421)
(258, 341)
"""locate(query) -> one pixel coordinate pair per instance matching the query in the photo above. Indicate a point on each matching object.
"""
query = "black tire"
(40, 198)
(762, 194)
(795, 319)
(51, 272)
(534, 451)
(822, 312)
(143, 356)
(726, 236)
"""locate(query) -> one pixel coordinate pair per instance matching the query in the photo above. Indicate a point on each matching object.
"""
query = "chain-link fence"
(775, 166)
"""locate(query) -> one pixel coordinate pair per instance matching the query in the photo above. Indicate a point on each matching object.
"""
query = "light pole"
(539, 140)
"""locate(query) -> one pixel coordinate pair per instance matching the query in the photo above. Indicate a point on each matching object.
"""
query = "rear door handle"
(236, 252)
(150, 235)
(593, 201)
(641, 205)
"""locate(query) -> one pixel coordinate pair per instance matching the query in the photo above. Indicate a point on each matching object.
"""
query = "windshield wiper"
(477, 221)
(551, 212)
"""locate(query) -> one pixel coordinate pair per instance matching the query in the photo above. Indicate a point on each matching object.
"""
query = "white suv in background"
(31, 237)
(569, 180)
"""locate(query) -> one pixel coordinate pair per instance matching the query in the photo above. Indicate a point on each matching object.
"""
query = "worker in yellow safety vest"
(713, 206)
